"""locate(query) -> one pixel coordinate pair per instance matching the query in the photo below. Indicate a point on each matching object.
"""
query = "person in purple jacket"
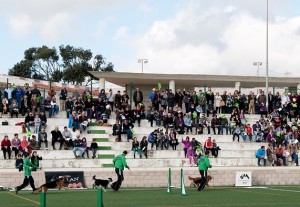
(186, 144)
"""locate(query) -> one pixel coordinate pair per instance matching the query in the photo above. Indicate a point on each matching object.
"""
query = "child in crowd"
(19, 162)
(94, 148)
(85, 147)
(35, 160)
(191, 156)
(37, 123)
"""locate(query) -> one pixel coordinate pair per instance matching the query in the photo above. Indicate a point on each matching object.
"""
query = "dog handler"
(27, 165)
(119, 163)
(203, 165)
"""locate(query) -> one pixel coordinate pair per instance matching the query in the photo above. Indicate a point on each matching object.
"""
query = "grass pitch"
(279, 196)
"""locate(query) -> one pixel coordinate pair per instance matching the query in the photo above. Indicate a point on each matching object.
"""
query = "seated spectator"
(261, 155)
(51, 93)
(25, 146)
(94, 147)
(29, 121)
(173, 139)
(210, 108)
(195, 144)
(215, 123)
(14, 110)
(136, 115)
(83, 122)
(215, 149)
(79, 105)
(257, 132)
(74, 121)
(46, 106)
(279, 152)
(88, 106)
(42, 137)
(236, 133)
(67, 136)
(4, 107)
(25, 105)
(169, 122)
(223, 124)
(93, 113)
(152, 138)
(16, 144)
(248, 131)
(127, 129)
(33, 143)
(35, 160)
(294, 153)
(57, 137)
(35, 108)
(117, 130)
(78, 147)
(69, 106)
(54, 108)
(202, 123)
(208, 145)
(179, 123)
(5, 147)
(85, 148)
(43, 118)
(270, 154)
(19, 162)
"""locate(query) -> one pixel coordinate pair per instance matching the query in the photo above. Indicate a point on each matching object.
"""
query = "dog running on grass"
(58, 183)
(101, 183)
(196, 180)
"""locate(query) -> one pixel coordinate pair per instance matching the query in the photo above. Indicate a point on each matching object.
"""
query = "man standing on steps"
(119, 163)
(203, 165)
(27, 165)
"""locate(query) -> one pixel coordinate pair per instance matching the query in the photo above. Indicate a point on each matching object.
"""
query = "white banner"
(243, 179)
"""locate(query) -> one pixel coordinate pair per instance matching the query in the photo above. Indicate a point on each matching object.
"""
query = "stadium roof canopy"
(195, 80)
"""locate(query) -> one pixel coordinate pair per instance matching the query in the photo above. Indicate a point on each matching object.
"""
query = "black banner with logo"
(75, 178)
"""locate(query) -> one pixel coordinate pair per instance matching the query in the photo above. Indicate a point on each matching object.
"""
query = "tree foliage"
(70, 64)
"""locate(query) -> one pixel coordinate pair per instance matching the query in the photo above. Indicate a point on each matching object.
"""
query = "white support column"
(172, 85)
(298, 88)
(237, 86)
(101, 83)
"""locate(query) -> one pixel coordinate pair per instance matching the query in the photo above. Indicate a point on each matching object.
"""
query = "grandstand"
(151, 172)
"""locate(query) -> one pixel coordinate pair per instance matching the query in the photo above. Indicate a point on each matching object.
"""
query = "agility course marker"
(100, 198)
(42, 199)
(182, 185)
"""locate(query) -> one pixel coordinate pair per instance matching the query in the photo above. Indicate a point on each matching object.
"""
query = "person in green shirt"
(28, 179)
(203, 165)
(119, 163)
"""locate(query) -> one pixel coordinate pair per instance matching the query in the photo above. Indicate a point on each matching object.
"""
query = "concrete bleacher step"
(106, 156)
(96, 131)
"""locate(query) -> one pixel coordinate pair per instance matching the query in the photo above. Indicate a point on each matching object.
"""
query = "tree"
(22, 69)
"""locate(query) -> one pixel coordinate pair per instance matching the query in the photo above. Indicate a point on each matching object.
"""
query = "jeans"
(137, 150)
(258, 161)
(80, 149)
(53, 110)
(222, 128)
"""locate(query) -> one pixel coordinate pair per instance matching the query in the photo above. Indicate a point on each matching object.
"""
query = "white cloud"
(216, 42)
(122, 32)
(20, 25)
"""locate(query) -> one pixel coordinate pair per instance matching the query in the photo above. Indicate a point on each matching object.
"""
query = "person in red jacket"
(208, 145)
(5, 146)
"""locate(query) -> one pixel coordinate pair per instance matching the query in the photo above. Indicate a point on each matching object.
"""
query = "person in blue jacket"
(261, 155)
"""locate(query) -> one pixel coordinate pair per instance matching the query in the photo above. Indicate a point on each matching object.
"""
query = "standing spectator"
(78, 147)
(8, 93)
(117, 100)
(136, 147)
(261, 155)
(138, 97)
(171, 99)
(35, 160)
(51, 93)
(191, 156)
(110, 99)
(25, 105)
(37, 123)
(62, 98)
(94, 147)
(102, 94)
(75, 94)
(54, 108)
(119, 163)
(178, 98)
(144, 146)
(5, 146)
(124, 100)
(42, 137)
(69, 106)
(35, 91)
(251, 101)
(218, 100)
(17, 94)
(186, 145)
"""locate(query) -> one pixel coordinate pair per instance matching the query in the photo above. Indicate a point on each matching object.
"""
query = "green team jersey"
(120, 162)
(203, 163)
(26, 165)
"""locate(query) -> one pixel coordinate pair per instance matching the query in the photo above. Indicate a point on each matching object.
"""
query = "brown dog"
(58, 183)
(196, 180)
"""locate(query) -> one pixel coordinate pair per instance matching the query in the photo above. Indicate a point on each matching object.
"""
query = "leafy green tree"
(22, 69)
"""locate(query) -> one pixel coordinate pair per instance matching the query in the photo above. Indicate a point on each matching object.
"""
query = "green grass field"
(279, 196)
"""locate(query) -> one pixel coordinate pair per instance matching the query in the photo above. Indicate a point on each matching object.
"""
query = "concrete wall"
(159, 177)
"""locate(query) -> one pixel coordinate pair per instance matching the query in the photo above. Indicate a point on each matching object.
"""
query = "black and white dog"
(101, 183)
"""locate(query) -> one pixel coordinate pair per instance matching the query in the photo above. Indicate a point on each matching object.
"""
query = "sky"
(176, 36)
